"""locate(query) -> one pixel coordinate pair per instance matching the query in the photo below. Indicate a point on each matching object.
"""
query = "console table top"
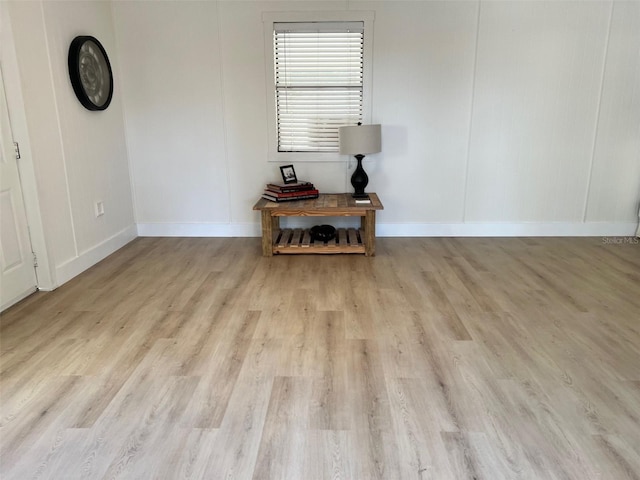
(326, 202)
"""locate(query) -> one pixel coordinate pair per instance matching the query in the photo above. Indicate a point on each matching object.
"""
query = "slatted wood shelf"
(298, 240)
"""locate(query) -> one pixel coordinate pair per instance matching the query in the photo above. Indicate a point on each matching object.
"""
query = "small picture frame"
(288, 174)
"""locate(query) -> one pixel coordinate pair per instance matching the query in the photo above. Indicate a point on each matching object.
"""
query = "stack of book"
(284, 192)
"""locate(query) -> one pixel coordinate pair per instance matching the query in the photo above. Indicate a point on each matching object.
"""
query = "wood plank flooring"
(437, 359)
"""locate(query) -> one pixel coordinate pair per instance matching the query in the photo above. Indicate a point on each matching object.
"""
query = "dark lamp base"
(359, 179)
(363, 196)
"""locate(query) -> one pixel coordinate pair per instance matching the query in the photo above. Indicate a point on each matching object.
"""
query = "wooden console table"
(352, 240)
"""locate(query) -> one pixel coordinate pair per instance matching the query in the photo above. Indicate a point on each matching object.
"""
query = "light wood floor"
(438, 358)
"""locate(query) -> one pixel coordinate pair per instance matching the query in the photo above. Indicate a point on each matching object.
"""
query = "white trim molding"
(90, 257)
(268, 19)
(556, 229)
(199, 229)
(28, 180)
(521, 229)
(17, 299)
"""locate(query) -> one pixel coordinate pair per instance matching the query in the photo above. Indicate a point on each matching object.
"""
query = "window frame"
(269, 19)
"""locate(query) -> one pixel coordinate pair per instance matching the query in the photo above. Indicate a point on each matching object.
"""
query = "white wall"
(176, 124)
(423, 83)
(536, 98)
(79, 156)
(615, 174)
(498, 118)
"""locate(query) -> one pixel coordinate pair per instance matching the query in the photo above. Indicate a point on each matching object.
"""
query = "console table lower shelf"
(276, 240)
(292, 241)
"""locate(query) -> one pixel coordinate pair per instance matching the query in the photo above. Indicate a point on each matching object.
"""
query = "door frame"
(45, 273)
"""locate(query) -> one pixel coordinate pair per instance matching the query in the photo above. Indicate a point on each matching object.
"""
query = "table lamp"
(359, 140)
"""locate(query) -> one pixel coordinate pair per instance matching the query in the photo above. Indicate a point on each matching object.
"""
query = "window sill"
(306, 157)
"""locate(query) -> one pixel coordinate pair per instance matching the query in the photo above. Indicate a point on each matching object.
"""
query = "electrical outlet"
(99, 208)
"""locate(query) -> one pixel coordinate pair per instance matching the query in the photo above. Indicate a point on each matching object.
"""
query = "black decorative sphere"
(322, 233)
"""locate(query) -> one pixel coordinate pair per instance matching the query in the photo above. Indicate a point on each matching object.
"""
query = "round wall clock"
(90, 73)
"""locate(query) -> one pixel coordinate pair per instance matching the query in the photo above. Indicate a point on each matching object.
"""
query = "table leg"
(267, 234)
(369, 227)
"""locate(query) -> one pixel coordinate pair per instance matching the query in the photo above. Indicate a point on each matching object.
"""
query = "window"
(317, 81)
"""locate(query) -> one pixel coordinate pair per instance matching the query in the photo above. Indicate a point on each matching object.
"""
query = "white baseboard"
(199, 230)
(17, 298)
(555, 229)
(90, 257)
(524, 229)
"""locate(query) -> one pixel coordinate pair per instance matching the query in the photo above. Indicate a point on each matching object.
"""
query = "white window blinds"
(318, 77)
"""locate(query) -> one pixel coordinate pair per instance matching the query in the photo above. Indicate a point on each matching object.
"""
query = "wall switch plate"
(99, 208)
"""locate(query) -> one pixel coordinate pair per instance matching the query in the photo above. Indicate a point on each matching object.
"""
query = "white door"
(17, 271)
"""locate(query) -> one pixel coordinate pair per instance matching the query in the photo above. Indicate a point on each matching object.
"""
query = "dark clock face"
(90, 73)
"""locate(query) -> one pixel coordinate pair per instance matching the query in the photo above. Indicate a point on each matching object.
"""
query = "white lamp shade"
(360, 139)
